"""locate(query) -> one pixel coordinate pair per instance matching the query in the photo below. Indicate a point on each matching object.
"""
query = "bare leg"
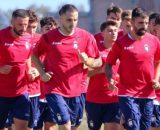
(20, 124)
(49, 126)
(66, 126)
(111, 126)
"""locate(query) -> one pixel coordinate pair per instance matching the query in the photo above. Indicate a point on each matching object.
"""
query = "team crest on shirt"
(75, 45)
(146, 47)
(27, 45)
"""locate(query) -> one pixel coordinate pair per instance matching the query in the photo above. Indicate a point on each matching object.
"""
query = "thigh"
(111, 113)
(155, 121)
(130, 110)
(58, 108)
(146, 109)
(21, 107)
(81, 110)
(6, 104)
(34, 112)
(94, 115)
(75, 109)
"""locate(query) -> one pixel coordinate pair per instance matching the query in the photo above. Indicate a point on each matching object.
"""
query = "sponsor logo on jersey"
(128, 48)
(56, 43)
(8, 44)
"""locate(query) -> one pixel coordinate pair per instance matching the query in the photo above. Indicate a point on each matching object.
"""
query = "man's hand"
(46, 76)
(155, 84)
(83, 57)
(6, 69)
(33, 74)
(112, 85)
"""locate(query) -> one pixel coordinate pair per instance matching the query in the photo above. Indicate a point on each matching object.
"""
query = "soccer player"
(126, 21)
(156, 110)
(101, 102)
(139, 55)
(151, 24)
(67, 49)
(15, 51)
(34, 81)
(113, 13)
(47, 24)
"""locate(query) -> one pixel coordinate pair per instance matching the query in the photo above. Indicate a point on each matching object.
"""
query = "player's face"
(19, 25)
(68, 21)
(110, 33)
(157, 30)
(47, 28)
(32, 27)
(140, 25)
(151, 26)
(115, 17)
(126, 25)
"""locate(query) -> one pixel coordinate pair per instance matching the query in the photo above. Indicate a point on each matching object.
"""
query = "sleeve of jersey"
(114, 54)
(40, 47)
(157, 54)
(91, 48)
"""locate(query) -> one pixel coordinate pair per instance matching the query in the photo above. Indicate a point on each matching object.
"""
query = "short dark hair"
(67, 7)
(20, 13)
(153, 16)
(32, 16)
(114, 9)
(139, 12)
(157, 20)
(48, 21)
(104, 25)
(126, 15)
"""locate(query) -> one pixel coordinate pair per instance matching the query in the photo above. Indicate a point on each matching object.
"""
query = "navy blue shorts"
(9, 121)
(137, 112)
(81, 109)
(156, 117)
(63, 109)
(102, 113)
(45, 115)
(17, 106)
(34, 111)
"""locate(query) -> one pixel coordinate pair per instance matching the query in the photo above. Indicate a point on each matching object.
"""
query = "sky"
(52, 4)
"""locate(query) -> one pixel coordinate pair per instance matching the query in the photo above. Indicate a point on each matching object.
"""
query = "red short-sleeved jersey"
(14, 52)
(98, 91)
(136, 64)
(62, 59)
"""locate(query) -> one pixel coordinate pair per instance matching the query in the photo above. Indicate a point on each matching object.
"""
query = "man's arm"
(94, 71)
(45, 76)
(109, 73)
(90, 62)
(156, 79)
(6, 69)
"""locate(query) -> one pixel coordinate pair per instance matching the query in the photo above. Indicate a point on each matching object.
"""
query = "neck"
(64, 32)
(108, 44)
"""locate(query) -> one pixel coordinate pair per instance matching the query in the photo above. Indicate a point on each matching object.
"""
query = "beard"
(19, 33)
(141, 31)
(68, 29)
